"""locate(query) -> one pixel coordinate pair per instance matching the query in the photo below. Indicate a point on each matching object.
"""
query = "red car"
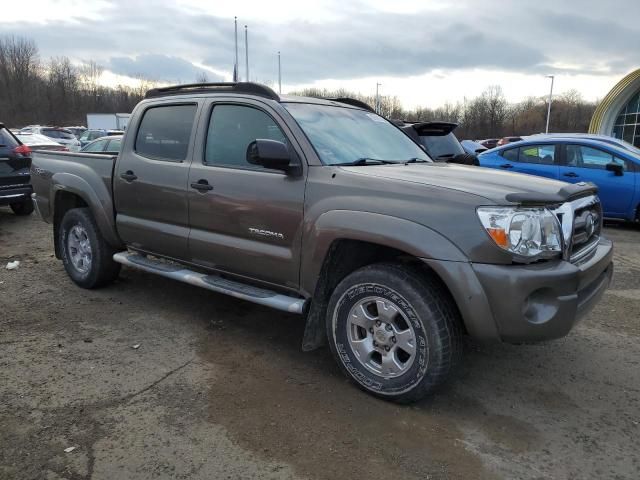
(506, 140)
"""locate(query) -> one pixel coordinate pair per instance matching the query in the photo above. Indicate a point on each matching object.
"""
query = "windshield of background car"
(442, 145)
(58, 133)
(344, 135)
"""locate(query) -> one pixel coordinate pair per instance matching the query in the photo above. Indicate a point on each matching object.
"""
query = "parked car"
(438, 141)
(108, 145)
(615, 170)
(15, 162)
(60, 135)
(489, 142)
(473, 148)
(91, 135)
(327, 210)
(507, 140)
(77, 131)
(35, 141)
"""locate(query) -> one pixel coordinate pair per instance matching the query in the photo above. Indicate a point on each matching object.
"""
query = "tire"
(23, 208)
(415, 309)
(90, 267)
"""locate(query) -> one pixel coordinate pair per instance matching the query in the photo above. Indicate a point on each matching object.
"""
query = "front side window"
(231, 129)
(165, 131)
(538, 154)
(342, 135)
(587, 157)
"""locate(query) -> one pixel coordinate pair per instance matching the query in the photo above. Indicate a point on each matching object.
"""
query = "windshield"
(442, 145)
(345, 135)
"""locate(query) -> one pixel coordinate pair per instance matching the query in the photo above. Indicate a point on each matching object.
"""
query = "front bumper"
(15, 194)
(528, 303)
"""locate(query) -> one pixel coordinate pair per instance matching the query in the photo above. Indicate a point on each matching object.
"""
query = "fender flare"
(404, 235)
(97, 197)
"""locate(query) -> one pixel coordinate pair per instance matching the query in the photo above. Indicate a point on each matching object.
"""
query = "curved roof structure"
(605, 115)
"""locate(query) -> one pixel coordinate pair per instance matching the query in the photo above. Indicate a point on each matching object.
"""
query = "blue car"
(615, 170)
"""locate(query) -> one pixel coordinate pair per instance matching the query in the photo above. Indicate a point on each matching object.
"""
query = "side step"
(214, 283)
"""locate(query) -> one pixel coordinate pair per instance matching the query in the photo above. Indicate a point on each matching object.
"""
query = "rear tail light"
(23, 149)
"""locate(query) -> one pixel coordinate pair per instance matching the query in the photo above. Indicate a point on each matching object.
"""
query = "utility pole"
(377, 109)
(279, 75)
(235, 64)
(549, 106)
(246, 50)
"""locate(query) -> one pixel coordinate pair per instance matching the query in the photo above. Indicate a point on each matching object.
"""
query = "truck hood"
(495, 185)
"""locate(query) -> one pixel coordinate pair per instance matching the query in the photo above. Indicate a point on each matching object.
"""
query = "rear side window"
(114, 145)
(97, 146)
(510, 155)
(6, 139)
(232, 128)
(165, 131)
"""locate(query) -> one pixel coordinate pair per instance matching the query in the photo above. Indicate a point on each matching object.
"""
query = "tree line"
(488, 115)
(55, 91)
(58, 92)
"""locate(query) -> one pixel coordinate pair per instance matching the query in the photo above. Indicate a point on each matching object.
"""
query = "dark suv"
(15, 162)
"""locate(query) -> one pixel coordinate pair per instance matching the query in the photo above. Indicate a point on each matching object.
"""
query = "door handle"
(506, 165)
(202, 185)
(571, 174)
(129, 176)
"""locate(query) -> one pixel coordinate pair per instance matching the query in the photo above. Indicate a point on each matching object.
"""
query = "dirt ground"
(219, 388)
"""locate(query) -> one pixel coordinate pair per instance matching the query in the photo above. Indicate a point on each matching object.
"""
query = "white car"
(60, 135)
(35, 141)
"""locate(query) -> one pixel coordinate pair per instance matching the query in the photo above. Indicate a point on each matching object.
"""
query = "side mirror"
(270, 154)
(616, 168)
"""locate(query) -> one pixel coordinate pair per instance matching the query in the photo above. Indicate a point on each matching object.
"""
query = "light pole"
(246, 50)
(279, 75)
(549, 106)
(378, 98)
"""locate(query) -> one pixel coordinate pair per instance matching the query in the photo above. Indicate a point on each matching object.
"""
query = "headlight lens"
(531, 233)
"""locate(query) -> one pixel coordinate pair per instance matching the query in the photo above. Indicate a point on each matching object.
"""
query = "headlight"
(531, 233)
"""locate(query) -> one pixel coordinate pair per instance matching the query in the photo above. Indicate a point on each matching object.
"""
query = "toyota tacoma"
(325, 209)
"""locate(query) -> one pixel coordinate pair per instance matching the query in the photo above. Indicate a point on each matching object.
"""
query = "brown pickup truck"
(325, 209)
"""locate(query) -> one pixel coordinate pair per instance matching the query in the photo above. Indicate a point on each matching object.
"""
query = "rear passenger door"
(249, 221)
(150, 180)
(540, 160)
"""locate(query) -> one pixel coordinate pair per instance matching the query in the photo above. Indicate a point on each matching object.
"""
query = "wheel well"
(345, 256)
(63, 202)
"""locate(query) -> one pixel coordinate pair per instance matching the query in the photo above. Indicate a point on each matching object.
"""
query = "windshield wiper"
(365, 161)
(416, 160)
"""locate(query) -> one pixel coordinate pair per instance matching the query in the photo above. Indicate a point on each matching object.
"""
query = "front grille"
(581, 222)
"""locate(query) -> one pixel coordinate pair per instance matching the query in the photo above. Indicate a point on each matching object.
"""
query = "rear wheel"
(22, 208)
(87, 258)
(394, 331)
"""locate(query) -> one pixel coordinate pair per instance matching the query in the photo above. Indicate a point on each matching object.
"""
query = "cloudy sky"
(426, 52)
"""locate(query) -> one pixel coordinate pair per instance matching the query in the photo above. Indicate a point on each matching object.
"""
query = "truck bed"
(78, 169)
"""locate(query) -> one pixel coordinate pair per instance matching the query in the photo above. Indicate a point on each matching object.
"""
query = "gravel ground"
(219, 388)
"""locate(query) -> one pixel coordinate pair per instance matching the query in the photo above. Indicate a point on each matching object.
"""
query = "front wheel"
(22, 208)
(394, 331)
(87, 257)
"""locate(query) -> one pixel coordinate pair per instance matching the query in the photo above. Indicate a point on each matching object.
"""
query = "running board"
(214, 283)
